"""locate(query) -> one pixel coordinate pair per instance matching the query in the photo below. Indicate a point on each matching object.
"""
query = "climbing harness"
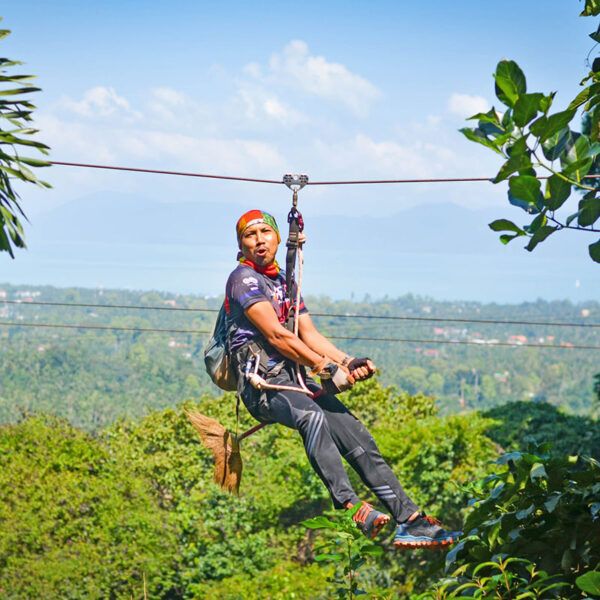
(294, 252)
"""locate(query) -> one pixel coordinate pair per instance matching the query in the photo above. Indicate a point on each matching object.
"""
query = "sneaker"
(369, 520)
(424, 532)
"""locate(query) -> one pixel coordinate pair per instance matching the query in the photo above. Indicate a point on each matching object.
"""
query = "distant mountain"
(438, 250)
(117, 217)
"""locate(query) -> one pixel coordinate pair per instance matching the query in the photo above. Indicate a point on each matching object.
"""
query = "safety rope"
(294, 245)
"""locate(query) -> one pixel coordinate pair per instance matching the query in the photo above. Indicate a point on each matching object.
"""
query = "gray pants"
(330, 431)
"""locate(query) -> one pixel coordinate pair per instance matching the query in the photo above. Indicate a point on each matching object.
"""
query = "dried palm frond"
(225, 447)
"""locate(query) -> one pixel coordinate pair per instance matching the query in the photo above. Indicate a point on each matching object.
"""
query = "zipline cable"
(257, 180)
(314, 314)
(335, 337)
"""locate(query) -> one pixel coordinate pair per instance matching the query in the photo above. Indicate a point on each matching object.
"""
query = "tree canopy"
(551, 167)
(16, 135)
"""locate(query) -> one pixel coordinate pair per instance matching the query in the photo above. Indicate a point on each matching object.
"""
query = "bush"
(540, 508)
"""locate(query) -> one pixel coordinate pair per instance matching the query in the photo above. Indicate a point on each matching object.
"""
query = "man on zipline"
(257, 304)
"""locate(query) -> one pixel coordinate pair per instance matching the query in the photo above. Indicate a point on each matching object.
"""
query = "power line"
(257, 180)
(334, 337)
(132, 306)
(316, 314)
(106, 327)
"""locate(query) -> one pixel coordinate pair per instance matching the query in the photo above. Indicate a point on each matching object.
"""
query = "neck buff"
(252, 217)
(270, 270)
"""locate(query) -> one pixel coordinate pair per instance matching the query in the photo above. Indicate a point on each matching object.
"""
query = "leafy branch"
(16, 112)
(569, 159)
(348, 550)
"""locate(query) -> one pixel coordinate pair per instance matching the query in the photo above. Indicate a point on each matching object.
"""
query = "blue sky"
(336, 89)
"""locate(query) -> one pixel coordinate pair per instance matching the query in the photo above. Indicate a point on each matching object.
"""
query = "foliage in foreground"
(517, 423)
(76, 523)
(535, 143)
(15, 112)
(88, 517)
(348, 549)
(533, 532)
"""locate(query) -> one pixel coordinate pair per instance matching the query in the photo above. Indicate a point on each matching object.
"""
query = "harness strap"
(296, 226)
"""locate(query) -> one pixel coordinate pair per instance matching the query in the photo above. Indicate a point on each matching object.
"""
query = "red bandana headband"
(252, 217)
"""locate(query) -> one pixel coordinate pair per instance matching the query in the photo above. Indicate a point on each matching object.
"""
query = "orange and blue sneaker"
(369, 520)
(424, 532)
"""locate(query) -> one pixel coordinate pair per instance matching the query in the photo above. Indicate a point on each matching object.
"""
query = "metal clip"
(295, 183)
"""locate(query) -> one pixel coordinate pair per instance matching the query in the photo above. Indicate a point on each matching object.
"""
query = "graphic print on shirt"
(244, 288)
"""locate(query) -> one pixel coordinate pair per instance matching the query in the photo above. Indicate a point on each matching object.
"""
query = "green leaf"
(538, 471)
(557, 191)
(490, 117)
(476, 135)
(545, 127)
(537, 223)
(578, 169)
(517, 162)
(546, 102)
(505, 225)
(594, 250)
(507, 458)
(509, 238)
(589, 210)
(539, 236)
(319, 523)
(524, 191)
(526, 108)
(523, 514)
(576, 161)
(551, 503)
(329, 557)
(589, 582)
(584, 96)
(556, 143)
(510, 82)
(592, 8)
(519, 146)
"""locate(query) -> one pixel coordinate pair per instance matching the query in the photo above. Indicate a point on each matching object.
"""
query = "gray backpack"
(216, 355)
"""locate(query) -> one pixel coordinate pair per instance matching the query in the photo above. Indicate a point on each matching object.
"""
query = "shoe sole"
(433, 545)
(380, 522)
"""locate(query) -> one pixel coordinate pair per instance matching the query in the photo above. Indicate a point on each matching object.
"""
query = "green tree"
(538, 145)
(76, 522)
(15, 132)
(540, 509)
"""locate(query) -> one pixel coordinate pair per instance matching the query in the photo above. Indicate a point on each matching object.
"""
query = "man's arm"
(262, 315)
(321, 345)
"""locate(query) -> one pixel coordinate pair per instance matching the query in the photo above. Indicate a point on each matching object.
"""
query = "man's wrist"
(319, 366)
(346, 360)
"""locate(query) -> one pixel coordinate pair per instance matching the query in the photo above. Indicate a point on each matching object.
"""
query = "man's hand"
(334, 379)
(361, 368)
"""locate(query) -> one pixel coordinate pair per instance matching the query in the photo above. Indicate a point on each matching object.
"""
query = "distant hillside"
(93, 377)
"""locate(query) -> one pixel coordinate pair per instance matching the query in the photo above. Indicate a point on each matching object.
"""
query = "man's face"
(259, 244)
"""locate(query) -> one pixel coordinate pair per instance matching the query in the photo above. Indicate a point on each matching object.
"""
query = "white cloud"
(133, 146)
(465, 105)
(171, 105)
(100, 102)
(259, 104)
(316, 76)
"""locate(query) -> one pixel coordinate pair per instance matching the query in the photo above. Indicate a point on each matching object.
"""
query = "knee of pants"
(310, 425)
(354, 456)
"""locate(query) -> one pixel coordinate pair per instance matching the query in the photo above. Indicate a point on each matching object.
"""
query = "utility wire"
(334, 337)
(315, 314)
(106, 327)
(256, 180)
